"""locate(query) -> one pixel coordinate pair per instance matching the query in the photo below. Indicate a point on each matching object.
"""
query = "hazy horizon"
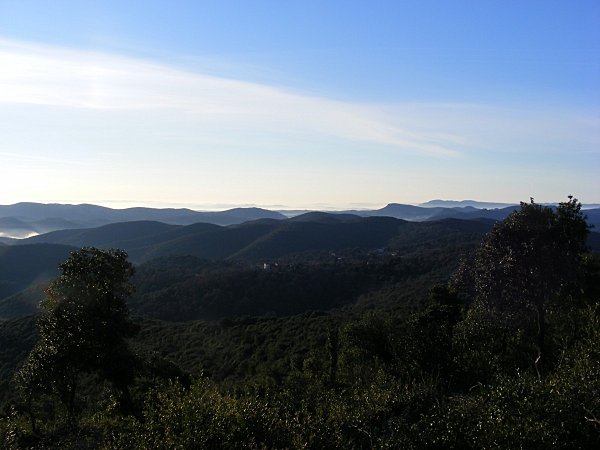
(283, 208)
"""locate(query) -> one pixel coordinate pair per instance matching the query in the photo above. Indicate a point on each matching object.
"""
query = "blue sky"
(298, 104)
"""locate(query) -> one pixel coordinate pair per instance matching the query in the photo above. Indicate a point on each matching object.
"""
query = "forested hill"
(230, 289)
(24, 219)
(184, 283)
(24, 265)
(269, 239)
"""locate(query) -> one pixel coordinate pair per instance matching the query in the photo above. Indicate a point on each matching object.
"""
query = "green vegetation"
(187, 288)
(82, 330)
(391, 349)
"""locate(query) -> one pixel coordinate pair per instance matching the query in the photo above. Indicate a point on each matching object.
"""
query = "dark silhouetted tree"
(83, 329)
(530, 262)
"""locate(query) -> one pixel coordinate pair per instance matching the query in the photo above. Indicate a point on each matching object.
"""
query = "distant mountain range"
(24, 220)
(486, 205)
(420, 213)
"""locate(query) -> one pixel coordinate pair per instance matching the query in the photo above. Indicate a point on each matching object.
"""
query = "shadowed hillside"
(266, 239)
(26, 219)
(24, 265)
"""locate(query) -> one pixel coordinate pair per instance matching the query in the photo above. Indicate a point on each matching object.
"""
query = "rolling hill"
(22, 220)
(25, 219)
(422, 213)
(26, 267)
(22, 266)
(264, 239)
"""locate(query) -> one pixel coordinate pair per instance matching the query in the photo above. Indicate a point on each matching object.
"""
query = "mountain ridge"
(23, 220)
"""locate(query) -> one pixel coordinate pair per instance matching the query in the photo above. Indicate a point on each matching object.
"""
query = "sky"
(298, 104)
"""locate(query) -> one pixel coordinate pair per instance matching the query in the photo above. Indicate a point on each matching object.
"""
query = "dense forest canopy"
(470, 341)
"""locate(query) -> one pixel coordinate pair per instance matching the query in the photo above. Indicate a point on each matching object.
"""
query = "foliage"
(523, 411)
(528, 264)
(187, 288)
(82, 329)
(532, 258)
(388, 364)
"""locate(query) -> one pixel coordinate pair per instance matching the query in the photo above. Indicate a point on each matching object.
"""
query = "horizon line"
(216, 207)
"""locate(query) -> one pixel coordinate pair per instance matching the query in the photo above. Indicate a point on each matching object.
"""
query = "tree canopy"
(532, 262)
(82, 328)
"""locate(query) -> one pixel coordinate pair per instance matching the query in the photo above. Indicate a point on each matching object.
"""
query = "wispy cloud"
(40, 75)
(158, 133)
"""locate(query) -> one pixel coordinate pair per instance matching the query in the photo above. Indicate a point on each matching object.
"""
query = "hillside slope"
(22, 266)
(265, 239)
